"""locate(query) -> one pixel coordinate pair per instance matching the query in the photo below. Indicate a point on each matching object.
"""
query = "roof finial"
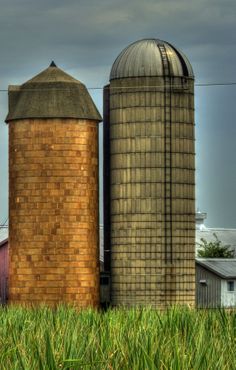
(53, 64)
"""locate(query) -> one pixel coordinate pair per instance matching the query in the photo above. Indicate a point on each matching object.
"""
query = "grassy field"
(178, 338)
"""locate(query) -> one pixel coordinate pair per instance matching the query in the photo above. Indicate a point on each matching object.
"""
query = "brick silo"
(53, 191)
(149, 176)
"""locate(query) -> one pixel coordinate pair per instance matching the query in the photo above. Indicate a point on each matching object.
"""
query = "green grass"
(178, 338)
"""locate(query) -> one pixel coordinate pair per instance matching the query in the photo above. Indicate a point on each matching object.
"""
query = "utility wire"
(136, 87)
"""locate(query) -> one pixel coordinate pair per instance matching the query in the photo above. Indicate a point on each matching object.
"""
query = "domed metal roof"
(151, 57)
(51, 94)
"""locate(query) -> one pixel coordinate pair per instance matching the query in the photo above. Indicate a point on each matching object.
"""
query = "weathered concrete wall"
(152, 200)
(53, 169)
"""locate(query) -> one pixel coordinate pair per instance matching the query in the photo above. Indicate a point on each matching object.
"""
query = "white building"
(226, 236)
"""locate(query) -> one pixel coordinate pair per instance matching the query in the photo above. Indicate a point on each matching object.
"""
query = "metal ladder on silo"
(168, 242)
(167, 157)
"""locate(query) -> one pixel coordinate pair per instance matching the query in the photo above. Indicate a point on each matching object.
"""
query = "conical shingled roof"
(51, 94)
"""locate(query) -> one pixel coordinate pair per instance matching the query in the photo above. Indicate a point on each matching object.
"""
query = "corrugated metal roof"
(145, 58)
(224, 267)
(227, 236)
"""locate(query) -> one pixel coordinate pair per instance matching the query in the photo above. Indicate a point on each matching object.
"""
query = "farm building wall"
(208, 288)
(3, 271)
(228, 298)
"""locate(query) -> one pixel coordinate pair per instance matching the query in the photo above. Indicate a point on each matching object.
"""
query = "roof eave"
(223, 276)
(3, 242)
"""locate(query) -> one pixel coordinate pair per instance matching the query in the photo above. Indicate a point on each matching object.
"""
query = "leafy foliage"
(214, 249)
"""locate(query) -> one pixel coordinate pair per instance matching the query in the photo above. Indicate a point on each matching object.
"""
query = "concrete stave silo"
(53, 192)
(149, 155)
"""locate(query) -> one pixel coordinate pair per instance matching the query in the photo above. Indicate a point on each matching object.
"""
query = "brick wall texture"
(53, 205)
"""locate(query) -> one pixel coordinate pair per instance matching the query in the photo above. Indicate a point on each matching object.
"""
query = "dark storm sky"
(84, 38)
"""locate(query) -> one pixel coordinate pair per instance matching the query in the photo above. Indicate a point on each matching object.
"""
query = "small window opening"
(230, 286)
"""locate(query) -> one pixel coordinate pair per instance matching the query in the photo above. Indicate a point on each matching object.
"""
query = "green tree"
(214, 249)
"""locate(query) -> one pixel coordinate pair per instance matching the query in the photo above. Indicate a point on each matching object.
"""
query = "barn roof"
(3, 235)
(223, 267)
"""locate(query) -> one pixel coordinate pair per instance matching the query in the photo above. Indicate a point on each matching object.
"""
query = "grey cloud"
(85, 37)
(80, 29)
(90, 34)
